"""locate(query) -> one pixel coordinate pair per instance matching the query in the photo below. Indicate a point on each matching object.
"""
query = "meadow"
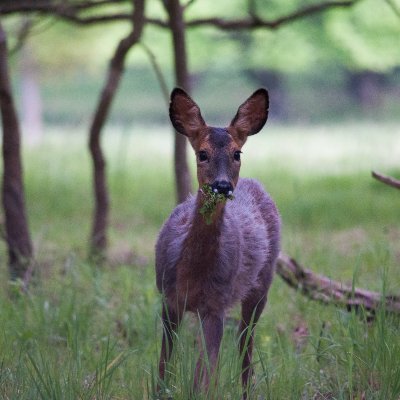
(86, 331)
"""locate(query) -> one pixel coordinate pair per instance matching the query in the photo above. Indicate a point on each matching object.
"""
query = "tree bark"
(327, 291)
(16, 224)
(177, 26)
(116, 67)
(387, 180)
(31, 111)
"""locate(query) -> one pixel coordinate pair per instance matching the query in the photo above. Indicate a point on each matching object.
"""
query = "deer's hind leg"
(252, 308)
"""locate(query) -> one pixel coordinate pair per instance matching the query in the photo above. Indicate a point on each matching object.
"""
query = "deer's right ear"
(185, 114)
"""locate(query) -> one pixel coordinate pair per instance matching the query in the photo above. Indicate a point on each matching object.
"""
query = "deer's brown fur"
(207, 266)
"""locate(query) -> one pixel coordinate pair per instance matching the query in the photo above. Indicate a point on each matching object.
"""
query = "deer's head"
(218, 149)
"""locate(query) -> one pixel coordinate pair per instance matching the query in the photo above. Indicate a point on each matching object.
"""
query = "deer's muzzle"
(222, 187)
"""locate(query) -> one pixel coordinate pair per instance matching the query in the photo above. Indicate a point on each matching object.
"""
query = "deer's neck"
(200, 252)
(200, 257)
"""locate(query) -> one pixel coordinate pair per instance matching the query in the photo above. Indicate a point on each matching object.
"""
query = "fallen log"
(387, 180)
(328, 291)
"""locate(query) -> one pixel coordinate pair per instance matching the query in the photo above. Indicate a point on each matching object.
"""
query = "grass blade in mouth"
(211, 199)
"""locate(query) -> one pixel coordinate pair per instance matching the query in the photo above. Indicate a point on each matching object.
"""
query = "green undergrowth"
(95, 333)
(85, 331)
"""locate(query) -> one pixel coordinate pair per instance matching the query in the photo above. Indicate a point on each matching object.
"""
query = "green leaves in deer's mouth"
(211, 199)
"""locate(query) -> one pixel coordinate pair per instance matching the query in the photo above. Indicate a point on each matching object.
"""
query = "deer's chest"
(202, 280)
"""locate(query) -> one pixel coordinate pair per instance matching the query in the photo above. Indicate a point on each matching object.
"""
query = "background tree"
(100, 218)
(177, 26)
(16, 223)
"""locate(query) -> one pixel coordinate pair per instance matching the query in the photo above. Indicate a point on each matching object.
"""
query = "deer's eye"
(203, 156)
(236, 155)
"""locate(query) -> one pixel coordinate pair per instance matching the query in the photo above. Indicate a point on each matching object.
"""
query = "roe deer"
(206, 265)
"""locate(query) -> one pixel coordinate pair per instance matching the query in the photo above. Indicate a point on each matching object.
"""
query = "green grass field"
(88, 332)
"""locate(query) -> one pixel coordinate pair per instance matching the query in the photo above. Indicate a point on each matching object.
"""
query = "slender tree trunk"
(31, 111)
(177, 26)
(115, 71)
(16, 224)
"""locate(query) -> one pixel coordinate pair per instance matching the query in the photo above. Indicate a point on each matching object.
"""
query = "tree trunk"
(17, 231)
(116, 67)
(31, 112)
(177, 26)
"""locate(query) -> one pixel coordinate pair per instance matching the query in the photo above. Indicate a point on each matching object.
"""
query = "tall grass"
(85, 332)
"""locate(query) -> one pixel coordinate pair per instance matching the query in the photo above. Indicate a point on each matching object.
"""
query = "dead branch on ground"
(388, 180)
(328, 291)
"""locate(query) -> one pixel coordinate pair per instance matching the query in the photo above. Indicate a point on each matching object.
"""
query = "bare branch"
(13, 6)
(72, 17)
(251, 8)
(22, 35)
(72, 13)
(325, 290)
(68, 11)
(157, 22)
(388, 180)
(98, 3)
(158, 71)
(254, 22)
(392, 4)
(188, 4)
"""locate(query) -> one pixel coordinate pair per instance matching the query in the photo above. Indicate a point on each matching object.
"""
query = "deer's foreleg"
(211, 335)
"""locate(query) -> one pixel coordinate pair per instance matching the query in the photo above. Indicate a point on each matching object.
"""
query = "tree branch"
(95, 3)
(392, 4)
(12, 6)
(254, 22)
(158, 71)
(22, 35)
(67, 11)
(95, 19)
(71, 12)
(388, 180)
(325, 290)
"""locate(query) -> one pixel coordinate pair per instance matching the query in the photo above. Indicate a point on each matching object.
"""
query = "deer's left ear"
(250, 117)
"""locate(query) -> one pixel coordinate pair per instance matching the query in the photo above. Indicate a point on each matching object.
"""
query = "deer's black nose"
(222, 187)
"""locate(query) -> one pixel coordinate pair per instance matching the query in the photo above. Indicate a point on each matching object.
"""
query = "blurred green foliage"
(343, 63)
(305, 98)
